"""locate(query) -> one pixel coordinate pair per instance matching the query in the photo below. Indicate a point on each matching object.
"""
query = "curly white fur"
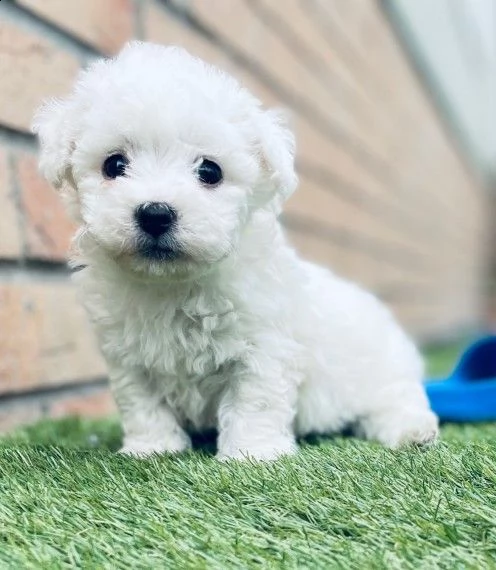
(237, 333)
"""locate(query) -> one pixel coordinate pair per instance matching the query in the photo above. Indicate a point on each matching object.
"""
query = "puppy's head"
(164, 159)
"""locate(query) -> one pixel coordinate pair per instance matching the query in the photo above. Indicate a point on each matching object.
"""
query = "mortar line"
(44, 394)
(18, 139)
(32, 271)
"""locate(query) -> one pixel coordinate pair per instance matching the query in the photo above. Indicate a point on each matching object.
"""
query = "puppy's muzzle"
(155, 218)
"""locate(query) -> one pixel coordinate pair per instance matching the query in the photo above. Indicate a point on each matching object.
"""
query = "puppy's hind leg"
(399, 415)
(149, 425)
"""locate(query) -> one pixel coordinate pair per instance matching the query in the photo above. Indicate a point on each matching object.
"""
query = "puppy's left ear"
(277, 149)
(54, 123)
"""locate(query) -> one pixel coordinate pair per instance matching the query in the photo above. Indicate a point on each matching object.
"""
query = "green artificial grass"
(66, 500)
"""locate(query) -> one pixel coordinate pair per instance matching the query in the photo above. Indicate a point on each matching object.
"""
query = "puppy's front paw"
(141, 449)
(269, 451)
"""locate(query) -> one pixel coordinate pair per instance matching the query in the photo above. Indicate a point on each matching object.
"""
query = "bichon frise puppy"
(206, 317)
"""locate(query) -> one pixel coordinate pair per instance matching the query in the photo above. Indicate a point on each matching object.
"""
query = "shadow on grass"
(106, 435)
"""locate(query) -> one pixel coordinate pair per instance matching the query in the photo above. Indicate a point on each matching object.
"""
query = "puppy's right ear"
(55, 126)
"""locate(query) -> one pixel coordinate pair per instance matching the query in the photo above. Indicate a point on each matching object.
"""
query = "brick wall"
(385, 196)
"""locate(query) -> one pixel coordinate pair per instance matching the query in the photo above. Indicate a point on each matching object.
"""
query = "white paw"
(141, 449)
(269, 451)
(410, 427)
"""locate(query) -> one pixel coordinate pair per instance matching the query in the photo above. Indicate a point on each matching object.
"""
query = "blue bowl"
(469, 393)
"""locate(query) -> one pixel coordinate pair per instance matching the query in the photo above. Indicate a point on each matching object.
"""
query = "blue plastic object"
(469, 394)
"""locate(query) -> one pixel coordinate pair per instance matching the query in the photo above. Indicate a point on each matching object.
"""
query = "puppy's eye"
(209, 173)
(114, 166)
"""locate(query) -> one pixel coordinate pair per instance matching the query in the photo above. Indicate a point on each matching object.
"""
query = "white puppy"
(205, 315)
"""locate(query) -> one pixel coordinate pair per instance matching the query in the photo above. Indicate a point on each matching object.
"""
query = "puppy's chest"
(185, 342)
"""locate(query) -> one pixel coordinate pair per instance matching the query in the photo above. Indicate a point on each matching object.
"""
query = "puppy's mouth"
(165, 248)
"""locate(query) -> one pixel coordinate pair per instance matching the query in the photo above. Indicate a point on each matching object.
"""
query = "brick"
(321, 251)
(45, 337)
(346, 89)
(91, 405)
(344, 260)
(48, 230)
(32, 70)
(322, 204)
(350, 24)
(356, 263)
(10, 238)
(106, 25)
(163, 28)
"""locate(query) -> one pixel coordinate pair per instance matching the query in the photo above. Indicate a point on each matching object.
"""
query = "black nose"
(155, 218)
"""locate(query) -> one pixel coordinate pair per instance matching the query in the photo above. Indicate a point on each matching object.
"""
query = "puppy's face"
(163, 159)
